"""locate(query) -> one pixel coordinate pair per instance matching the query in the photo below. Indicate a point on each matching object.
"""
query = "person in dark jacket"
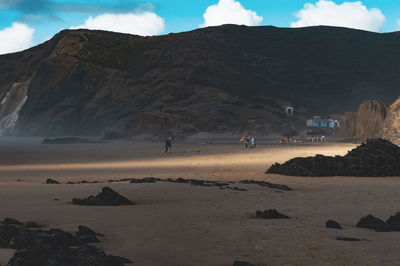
(168, 144)
(246, 141)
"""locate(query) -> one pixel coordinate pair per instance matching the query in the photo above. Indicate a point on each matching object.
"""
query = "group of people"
(249, 143)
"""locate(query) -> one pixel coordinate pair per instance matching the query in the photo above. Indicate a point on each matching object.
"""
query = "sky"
(25, 23)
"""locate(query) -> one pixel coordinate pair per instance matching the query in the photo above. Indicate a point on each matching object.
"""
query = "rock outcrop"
(375, 157)
(107, 197)
(344, 238)
(370, 222)
(49, 247)
(271, 214)
(332, 224)
(52, 181)
(391, 128)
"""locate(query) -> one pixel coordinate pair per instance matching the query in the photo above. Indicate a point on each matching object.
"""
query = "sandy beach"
(181, 224)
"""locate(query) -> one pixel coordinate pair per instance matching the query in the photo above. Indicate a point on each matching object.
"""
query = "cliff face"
(367, 122)
(391, 129)
(347, 128)
(11, 104)
(370, 118)
(228, 79)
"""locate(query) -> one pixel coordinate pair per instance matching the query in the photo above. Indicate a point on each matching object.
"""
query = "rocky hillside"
(228, 79)
(391, 129)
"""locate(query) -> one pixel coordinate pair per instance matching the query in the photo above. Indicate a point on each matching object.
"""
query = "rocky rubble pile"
(107, 197)
(375, 157)
(51, 247)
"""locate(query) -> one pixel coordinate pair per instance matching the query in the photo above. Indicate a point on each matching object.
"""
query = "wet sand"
(180, 224)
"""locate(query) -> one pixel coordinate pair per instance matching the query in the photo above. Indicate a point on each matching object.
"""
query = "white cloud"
(348, 14)
(142, 23)
(16, 38)
(230, 12)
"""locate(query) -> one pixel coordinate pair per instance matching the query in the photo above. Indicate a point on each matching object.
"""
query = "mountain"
(227, 79)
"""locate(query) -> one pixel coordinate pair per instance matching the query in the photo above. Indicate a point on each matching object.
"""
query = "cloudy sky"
(24, 23)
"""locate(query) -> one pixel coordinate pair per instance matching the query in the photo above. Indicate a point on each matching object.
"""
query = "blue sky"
(39, 20)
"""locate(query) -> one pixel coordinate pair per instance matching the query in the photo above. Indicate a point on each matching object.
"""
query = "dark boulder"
(242, 263)
(371, 222)
(107, 197)
(271, 214)
(52, 181)
(332, 224)
(347, 238)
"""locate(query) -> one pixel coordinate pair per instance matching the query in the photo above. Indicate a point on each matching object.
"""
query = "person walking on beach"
(253, 142)
(246, 141)
(168, 144)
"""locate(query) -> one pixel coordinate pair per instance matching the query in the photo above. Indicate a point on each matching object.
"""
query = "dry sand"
(179, 224)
